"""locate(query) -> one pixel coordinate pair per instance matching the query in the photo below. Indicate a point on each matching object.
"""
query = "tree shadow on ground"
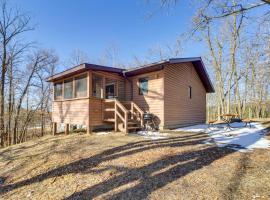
(236, 180)
(150, 177)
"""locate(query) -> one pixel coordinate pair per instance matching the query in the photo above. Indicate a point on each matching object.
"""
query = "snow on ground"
(240, 138)
(103, 133)
(153, 135)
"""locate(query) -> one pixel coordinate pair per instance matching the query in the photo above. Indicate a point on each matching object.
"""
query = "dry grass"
(131, 167)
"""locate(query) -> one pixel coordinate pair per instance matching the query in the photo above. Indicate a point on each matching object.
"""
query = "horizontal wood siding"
(121, 90)
(128, 90)
(152, 102)
(95, 112)
(179, 108)
(71, 112)
(86, 111)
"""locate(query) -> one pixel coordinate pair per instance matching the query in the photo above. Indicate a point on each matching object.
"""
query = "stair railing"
(134, 108)
(118, 106)
(122, 113)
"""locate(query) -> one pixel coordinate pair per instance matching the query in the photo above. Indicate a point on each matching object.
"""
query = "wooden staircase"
(126, 116)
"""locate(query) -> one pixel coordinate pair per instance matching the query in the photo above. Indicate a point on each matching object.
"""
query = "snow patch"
(103, 133)
(153, 135)
(240, 138)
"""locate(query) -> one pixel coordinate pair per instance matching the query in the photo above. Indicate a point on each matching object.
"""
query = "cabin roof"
(196, 61)
(82, 68)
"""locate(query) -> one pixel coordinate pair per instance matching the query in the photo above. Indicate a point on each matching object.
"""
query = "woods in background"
(24, 94)
(237, 36)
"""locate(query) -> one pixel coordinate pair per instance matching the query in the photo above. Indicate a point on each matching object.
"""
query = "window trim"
(102, 82)
(140, 89)
(62, 85)
(74, 85)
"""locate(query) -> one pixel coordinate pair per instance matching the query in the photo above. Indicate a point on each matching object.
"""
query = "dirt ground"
(116, 166)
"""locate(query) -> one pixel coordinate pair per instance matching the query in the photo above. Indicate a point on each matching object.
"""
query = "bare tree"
(111, 56)
(216, 10)
(225, 47)
(13, 24)
(77, 57)
(211, 10)
(45, 92)
(37, 62)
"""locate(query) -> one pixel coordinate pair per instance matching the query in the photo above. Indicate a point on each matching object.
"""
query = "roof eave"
(143, 70)
(68, 72)
(82, 68)
(207, 81)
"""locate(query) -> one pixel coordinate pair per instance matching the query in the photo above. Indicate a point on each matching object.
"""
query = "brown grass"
(115, 166)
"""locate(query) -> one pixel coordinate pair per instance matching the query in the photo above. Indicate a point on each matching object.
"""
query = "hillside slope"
(116, 166)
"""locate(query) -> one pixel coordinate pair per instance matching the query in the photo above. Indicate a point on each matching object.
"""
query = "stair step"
(133, 120)
(109, 120)
(109, 109)
(130, 122)
(134, 127)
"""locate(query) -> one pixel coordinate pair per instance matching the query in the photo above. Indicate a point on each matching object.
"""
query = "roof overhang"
(200, 69)
(145, 69)
(83, 68)
(196, 61)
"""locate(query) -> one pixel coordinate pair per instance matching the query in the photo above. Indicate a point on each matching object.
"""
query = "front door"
(110, 91)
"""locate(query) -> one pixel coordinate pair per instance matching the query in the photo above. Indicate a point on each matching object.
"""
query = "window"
(57, 91)
(81, 86)
(97, 85)
(68, 89)
(190, 91)
(109, 91)
(143, 86)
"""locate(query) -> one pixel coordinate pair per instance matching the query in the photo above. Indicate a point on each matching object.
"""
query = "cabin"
(95, 96)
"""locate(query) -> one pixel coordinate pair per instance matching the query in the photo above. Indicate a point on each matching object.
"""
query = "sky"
(94, 25)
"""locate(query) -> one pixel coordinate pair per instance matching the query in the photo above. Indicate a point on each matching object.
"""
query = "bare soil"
(116, 166)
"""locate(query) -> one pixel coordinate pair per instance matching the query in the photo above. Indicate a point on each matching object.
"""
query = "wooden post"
(126, 123)
(132, 110)
(66, 129)
(115, 117)
(89, 85)
(116, 89)
(89, 129)
(103, 88)
(54, 128)
(90, 94)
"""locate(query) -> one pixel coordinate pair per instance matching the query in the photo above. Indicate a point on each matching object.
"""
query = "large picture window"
(68, 89)
(81, 86)
(143, 86)
(57, 91)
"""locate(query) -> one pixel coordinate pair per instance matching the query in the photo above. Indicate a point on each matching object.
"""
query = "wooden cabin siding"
(96, 112)
(167, 98)
(88, 110)
(180, 110)
(152, 102)
(128, 90)
(71, 111)
(121, 90)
